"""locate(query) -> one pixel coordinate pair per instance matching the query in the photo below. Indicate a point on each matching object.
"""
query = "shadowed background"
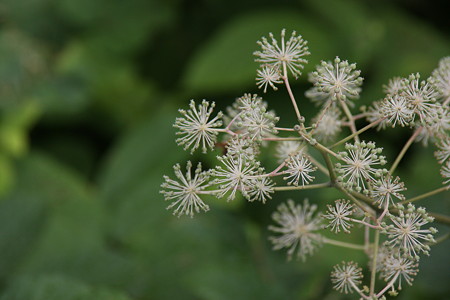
(89, 91)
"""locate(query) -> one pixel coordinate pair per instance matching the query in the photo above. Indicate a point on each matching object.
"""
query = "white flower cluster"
(247, 136)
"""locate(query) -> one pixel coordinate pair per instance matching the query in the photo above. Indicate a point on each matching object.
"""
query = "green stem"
(321, 167)
(431, 193)
(343, 244)
(329, 164)
(291, 95)
(302, 187)
(404, 149)
(356, 201)
(358, 132)
(374, 262)
(442, 238)
(350, 119)
(440, 218)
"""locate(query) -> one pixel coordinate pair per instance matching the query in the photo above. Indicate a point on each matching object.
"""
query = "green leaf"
(226, 62)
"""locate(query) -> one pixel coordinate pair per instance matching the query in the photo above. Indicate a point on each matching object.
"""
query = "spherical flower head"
(394, 87)
(441, 79)
(327, 125)
(397, 110)
(406, 231)
(242, 146)
(397, 268)
(443, 153)
(299, 168)
(375, 112)
(234, 175)
(386, 189)
(260, 189)
(339, 79)
(253, 119)
(445, 172)
(346, 277)
(185, 192)
(437, 127)
(358, 167)
(196, 126)
(421, 97)
(298, 226)
(268, 75)
(339, 216)
(288, 55)
(285, 149)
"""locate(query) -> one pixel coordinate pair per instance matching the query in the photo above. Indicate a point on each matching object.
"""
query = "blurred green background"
(89, 90)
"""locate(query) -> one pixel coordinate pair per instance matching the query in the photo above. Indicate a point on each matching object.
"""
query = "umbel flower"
(328, 125)
(289, 54)
(197, 127)
(260, 189)
(339, 216)
(286, 149)
(359, 165)
(234, 175)
(340, 80)
(268, 75)
(441, 79)
(185, 192)
(346, 277)
(406, 231)
(397, 268)
(394, 86)
(299, 167)
(298, 226)
(397, 110)
(385, 189)
(445, 172)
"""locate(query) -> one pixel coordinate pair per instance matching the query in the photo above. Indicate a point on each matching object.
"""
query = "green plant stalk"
(303, 187)
(358, 132)
(425, 195)
(291, 95)
(404, 149)
(374, 262)
(343, 244)
(350, 119)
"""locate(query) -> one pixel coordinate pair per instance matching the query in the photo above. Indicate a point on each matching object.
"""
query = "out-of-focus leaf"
(6, 174)
(56, 287)
(148, 149)
(226, 62)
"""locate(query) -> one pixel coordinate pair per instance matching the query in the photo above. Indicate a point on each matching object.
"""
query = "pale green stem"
(291, 95)
(358, 132)
(431, 193)
(374, 262)
(388, 286)
(343, 244)
(284, 129)
(277, 139)
(329, 164)
(302, 187)
(405, 148)
(350, 119)
(358, 290)
(356, 201)
(362, 222)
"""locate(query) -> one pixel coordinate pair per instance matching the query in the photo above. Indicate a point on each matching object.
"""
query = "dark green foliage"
(89, 90)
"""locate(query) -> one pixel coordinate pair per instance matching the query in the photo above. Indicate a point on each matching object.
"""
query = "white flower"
(394, 86)
(299, 167)
(358, 166)
(444, 150)
(260, 189)
(242, 146)
(185, 192)
(385, 189)
(375, 112)
(397, 110)
(441, 79)
(406, 231)
(339, 79)
(445, 172)
(235, 175)
(436, 127)
(196, 126)
(290, 53)
(396, 268)
(339, 216)
(298, 227)
(286, 149)
(328, 127)
(421, 97)
(346, 277)
(268, 75)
